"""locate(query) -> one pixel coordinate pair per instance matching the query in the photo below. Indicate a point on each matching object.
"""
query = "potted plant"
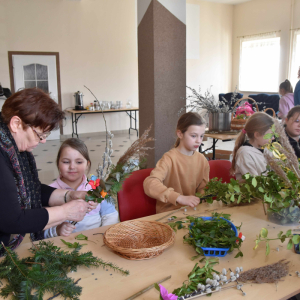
(278, 187)
(219, 112)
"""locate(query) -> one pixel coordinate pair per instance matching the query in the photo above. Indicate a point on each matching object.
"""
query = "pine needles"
(46, 271)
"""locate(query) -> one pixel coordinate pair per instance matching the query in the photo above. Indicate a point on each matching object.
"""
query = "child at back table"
(248, 155)
(182, 171)
(73, 162)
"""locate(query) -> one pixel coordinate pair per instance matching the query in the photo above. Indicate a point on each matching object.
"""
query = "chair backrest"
(220, 169)
(267, 101)
(132, 200)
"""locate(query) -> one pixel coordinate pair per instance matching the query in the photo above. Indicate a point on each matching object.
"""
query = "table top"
(222, 136)
(176, 260)
(74, 111)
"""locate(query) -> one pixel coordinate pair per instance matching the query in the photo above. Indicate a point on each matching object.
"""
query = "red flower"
(94, 183)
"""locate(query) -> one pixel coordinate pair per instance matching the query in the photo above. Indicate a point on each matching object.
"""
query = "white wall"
(259, 16)
(214, 65)
(96, 41)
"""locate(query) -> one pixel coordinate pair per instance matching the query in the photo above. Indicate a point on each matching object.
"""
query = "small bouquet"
(98, 192)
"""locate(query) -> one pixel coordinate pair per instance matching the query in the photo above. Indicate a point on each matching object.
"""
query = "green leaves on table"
(294, 239)
(81, 237)
(196, 276)
(74, 245)
(215, 233)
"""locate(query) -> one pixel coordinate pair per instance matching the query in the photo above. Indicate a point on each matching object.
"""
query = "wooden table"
(176, 261)
(76, 114)
(216, 137)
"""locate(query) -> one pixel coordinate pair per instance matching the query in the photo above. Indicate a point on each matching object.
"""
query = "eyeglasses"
(40, 136)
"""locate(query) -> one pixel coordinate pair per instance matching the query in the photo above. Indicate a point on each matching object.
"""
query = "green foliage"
(81, 237)
(294, 239)
(214, 233)
(74, 245)
(269, 187)
(196, 276)
(46, 271)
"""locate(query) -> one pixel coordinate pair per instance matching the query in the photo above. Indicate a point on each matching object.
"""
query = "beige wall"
(214, 66)
(96, 41)
(259, 16)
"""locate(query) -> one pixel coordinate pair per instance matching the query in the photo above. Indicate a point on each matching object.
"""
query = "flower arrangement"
(197, 102)
(278, 187)
(109, 179)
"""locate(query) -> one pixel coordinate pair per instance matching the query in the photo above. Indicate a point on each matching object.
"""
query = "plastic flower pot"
(286, 216)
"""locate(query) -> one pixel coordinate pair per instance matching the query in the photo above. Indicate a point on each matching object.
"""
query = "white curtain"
(295, 58)
(259, 63)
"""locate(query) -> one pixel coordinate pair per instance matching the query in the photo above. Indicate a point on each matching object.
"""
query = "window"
(295, 58)
(259, 64)
(36, 75)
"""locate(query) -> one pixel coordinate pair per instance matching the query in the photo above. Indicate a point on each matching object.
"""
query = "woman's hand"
(65, 229)
(191, 201)
(75, 210)
(73, 195)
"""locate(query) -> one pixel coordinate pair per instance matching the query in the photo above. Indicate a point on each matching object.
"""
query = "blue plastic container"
(219, 252)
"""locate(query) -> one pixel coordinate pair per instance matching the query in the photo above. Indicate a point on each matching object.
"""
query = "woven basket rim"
(140, 250)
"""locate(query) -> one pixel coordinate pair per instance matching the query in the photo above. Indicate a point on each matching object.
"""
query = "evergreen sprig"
(46, 271)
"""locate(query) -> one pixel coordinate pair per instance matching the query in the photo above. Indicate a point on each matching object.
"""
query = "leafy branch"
(294, 239)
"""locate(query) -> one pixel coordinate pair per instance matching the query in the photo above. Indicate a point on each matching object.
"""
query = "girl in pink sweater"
(286, 102)
(73, 163)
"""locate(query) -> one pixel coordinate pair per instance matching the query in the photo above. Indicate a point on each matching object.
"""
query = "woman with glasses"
(26, 205)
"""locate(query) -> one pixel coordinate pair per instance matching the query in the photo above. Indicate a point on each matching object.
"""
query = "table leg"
(135, 119)
(214, 148)
(72, 124)
(75, 130)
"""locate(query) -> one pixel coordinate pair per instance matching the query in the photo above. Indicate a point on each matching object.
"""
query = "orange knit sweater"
(176, 174)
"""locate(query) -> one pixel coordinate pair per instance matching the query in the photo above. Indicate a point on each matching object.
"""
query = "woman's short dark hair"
(35, 108)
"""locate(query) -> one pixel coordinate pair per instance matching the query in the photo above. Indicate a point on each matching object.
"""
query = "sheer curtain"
(295, 58)
(259, 63)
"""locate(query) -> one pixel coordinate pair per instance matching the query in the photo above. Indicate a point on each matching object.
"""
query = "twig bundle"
(267, 274)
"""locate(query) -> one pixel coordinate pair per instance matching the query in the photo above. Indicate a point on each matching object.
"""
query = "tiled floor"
(45, 154)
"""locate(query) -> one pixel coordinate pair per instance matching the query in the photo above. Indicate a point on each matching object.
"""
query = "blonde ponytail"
(238, 143)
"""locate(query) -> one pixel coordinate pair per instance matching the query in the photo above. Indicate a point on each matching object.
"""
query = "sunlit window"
(259, 65)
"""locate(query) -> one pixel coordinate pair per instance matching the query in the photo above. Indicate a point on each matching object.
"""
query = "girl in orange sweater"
(182, 171)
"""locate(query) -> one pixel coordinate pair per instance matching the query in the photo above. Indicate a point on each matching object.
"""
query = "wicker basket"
(238, 124)
(274, 114)
(137, 240)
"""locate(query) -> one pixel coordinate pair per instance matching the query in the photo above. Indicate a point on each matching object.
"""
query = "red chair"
(220, 169)
(132, 200)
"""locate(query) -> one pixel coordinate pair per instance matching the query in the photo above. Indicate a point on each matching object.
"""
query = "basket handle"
(274, 114)
(242, 99)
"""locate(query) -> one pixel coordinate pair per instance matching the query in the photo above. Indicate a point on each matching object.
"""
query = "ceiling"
(229, 1)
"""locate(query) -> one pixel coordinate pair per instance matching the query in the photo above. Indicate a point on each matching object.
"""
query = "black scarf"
(26, 179)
